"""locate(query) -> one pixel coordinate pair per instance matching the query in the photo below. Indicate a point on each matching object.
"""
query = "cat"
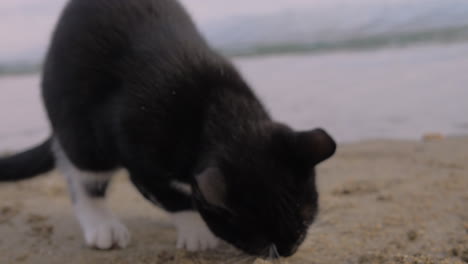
(133, 84)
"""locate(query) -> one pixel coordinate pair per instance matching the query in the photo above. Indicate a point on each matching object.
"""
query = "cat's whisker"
(275, 251)
(271, 253)
(277, 255)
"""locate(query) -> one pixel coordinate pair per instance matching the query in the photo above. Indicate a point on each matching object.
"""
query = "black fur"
(133, 84)
(27, 164)
(96, 189)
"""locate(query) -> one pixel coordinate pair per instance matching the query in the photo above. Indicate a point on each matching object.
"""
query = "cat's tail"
(27, 164)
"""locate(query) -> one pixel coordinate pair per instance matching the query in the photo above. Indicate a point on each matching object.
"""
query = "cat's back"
(105, 50)
(109, 30)
(99, 46)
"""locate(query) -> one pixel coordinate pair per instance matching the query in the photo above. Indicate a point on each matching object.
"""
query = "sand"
(382, 202)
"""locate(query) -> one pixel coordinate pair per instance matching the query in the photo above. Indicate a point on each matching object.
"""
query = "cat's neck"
(234, 117)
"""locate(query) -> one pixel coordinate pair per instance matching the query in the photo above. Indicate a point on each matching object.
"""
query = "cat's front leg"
(192, 232)
(101, 229)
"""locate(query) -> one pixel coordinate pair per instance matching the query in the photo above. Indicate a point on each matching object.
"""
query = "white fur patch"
(192, 232)
(182, 187)
(102, 230)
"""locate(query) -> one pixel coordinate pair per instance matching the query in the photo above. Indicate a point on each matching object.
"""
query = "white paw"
(107, 234)
(193, 233)
(102, 230)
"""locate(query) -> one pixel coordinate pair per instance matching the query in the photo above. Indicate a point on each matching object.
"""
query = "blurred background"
(362, 69)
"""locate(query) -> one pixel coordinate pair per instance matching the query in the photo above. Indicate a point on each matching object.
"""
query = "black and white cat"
(132, 84)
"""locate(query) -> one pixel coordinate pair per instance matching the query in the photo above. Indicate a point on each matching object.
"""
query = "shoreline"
(393, 93)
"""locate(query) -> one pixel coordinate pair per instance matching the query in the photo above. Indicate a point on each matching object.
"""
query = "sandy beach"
(382, 202)
(377, 75)
(401, 201)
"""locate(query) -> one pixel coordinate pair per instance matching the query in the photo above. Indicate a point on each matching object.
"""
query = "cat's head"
(262, 195)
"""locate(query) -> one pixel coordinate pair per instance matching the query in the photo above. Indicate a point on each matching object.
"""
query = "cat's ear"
(212, 186)
(316, 145)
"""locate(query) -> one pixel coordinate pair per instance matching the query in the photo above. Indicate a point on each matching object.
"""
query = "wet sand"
(382, 202)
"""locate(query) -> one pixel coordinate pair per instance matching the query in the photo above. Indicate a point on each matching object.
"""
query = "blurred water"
(339, 24)
(392, 93)
(22, 117)
(249, 27)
